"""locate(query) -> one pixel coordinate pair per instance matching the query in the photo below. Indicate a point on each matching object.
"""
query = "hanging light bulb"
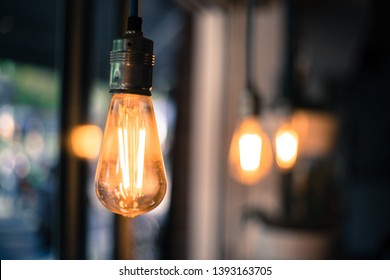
(130, 176)
(250, 154)
(286, 146)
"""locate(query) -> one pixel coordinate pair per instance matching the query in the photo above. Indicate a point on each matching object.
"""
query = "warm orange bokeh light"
(250, 150)
(85, 141)
(316, 132)
(250, 154)
(286, 145)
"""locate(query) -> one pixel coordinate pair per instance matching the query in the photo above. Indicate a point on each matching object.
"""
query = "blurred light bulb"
(316, 131)
(130, 176)
(250, 151)
(286, 144)
(85, 141)
(250, 154)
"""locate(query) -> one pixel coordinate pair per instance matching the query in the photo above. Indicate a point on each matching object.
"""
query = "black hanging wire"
(134, 22)
(286, 97)
(134, 8)
(250, 87)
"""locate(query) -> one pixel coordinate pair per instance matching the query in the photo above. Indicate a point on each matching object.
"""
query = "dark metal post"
(77, 75)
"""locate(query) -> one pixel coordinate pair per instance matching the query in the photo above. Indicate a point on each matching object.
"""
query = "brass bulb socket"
(132, 62)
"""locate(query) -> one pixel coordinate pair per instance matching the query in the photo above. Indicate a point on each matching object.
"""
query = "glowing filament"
(136, 159)
(250, 151)
(123, 159)
(141, 155)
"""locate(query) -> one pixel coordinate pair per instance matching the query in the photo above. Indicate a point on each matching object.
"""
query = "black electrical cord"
(134, 8)
(134, 22)
(254, 95)
(248, 41)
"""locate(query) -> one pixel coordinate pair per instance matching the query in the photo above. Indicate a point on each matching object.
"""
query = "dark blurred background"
(327, 62)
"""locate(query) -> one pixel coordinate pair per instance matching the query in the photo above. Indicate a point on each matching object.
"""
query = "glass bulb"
(286, 144)
(130, 176)
(250, 154)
